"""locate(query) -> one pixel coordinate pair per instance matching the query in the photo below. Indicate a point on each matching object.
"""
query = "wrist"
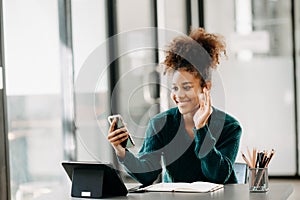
(121, 153)
(201, 125)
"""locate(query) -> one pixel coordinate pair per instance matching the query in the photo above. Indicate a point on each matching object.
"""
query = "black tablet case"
(94, 180)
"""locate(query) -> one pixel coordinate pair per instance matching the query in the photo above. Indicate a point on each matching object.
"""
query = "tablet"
(94, 180)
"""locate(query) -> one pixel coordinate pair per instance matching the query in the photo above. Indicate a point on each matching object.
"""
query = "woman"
(198, 142)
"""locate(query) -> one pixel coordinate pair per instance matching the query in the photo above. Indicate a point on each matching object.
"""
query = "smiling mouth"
(182, 102)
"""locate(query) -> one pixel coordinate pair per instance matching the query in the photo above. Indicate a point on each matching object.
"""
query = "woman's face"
(185, 91)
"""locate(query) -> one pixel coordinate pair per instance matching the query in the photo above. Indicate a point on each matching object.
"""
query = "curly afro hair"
(197, 53)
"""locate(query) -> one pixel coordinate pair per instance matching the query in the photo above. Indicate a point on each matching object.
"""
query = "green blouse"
(210, 156)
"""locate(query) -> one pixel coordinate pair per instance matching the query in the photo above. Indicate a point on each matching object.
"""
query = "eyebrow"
(184, 83)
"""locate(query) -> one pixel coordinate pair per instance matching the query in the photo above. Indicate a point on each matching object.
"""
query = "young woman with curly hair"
(198, 142)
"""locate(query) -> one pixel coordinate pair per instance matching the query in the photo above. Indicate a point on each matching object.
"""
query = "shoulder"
(231, 120)
(226, 117)
(230, 123)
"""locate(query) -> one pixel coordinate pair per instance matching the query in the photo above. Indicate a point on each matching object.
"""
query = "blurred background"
(67, 65)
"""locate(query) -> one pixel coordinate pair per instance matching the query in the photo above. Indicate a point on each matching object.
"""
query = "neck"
(189, 125)
(188, 120)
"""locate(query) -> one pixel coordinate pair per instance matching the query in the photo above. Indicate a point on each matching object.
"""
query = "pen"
(163, 165)
(257, 160)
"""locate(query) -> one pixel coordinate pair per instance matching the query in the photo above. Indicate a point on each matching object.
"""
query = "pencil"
(246, 160)
(254, 157)
(249, 154)
(265, 166)
(270, 157)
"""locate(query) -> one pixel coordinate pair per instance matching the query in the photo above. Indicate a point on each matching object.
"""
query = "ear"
(208, 85)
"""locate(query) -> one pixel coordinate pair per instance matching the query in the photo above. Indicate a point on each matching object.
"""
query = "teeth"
(182, 101)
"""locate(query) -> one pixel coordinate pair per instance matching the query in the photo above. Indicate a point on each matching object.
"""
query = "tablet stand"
(87, 183)
(94, 180)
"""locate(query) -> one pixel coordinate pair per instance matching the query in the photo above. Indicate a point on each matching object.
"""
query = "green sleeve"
(146, 167)
(217, 157)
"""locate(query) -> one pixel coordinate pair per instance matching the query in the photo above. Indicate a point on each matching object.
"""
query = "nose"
(179, 93)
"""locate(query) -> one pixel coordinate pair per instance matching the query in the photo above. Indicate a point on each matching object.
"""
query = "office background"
(45, 45)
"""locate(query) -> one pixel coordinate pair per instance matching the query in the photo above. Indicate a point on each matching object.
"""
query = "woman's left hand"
(202, 114)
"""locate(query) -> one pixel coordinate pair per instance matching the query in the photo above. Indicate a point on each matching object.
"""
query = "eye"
(174, 88)
(187, 87)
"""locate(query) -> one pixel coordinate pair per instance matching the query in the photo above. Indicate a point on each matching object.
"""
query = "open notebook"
(198, 186)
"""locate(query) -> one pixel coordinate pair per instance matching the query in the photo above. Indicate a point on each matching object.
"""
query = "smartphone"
(120, 124)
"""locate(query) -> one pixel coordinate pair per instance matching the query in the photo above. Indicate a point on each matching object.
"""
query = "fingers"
(207, 96)
(118, 136)
(204, 98)
(201, 99)
(201, 116)
(116, 133)
(112, 126)
(118, 142)
(202, 103)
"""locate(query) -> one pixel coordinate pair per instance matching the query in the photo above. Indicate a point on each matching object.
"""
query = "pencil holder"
(258, 180)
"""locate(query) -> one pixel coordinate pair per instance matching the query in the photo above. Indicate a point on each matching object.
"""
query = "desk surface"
(278, 191)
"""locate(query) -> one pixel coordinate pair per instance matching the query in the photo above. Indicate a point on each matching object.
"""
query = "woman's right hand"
(201, 116)
(116, 137)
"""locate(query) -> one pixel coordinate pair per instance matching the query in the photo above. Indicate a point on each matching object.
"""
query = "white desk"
(278, 191)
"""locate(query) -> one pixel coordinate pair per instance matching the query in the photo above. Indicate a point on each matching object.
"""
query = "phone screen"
(120, 124)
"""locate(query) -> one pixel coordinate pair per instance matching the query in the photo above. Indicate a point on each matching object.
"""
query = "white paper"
(184, 187)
